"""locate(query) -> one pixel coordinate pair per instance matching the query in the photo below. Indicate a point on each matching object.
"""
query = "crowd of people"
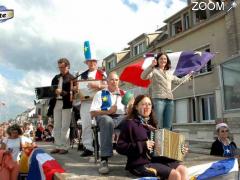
(111, 108)
(17, 140)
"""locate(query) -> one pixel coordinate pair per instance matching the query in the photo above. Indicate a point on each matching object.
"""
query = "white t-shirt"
(14, 145)
(92, 74)
(97, 102)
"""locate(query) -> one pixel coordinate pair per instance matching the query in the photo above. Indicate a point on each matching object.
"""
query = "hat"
(127, 97)
(221, 125)
(88, 52)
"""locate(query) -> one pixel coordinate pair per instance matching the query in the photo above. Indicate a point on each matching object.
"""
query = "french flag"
(213, 169)
(42, 166)
(182, 63)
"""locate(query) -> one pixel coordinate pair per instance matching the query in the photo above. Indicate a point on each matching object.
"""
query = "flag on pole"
(213, 169)
(42, 166)
(182, 63)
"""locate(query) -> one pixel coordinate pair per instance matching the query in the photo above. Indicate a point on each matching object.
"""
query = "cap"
(221, 125)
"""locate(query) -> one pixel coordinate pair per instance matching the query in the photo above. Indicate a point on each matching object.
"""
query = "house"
(214, 93)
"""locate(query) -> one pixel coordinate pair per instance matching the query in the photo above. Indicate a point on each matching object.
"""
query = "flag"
(42, 166)
(213, 169)
(182, 63)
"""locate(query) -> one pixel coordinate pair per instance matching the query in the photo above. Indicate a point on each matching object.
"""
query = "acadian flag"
(182, 63)
(213, 169)
(42, 166)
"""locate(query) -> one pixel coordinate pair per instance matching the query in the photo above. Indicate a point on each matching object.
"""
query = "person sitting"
(222, 146)
(135, 144)
(108, 111)
(47, 136)
(39, 132)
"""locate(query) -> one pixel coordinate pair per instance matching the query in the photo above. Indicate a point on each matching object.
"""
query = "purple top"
(132, 143)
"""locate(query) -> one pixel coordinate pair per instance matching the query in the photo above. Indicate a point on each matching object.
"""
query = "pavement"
(81, 168)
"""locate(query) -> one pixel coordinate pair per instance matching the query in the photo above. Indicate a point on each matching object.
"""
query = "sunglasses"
(223, 131)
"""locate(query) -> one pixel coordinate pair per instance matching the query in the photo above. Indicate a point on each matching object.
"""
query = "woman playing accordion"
(135, 144)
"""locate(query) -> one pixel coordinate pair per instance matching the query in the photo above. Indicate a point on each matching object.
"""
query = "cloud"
(3, 84)
(168, 3)
(133, 6)
(43, 31)
(19, 96)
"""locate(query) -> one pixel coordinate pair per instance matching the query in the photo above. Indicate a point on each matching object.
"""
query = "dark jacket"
(132, 143)
(217, 148)
(67, 104)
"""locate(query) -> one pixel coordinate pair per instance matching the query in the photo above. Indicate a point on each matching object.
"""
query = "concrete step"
(200, 143)
(199, 150)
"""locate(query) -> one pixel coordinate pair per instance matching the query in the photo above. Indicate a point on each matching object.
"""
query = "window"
(207, 104)
(231, 84)
(193, 109)
(39, 111)
(139, 48)
(176, 27)
(186, 21)
(200, 15)
(111, 64)
(208, 67)
(182, 111)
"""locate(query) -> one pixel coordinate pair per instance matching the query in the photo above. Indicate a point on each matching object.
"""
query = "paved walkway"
(84, 168)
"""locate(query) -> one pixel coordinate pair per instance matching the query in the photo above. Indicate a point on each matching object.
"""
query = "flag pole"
(181, 83)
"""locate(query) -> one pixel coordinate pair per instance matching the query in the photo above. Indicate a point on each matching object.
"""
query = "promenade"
(84, 168)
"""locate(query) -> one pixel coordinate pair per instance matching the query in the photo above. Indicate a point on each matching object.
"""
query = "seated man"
(108, 111)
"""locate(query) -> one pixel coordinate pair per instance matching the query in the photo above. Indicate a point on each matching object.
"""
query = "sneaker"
(86, 153)
(54, 151)
(103, 167)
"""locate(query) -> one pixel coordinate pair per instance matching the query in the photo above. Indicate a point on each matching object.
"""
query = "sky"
(43, 31)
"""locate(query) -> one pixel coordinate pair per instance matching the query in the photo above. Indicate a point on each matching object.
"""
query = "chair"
(96, 146)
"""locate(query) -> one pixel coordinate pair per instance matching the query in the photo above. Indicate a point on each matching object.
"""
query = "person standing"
(62, 106)
(161, 88)
(92, 73)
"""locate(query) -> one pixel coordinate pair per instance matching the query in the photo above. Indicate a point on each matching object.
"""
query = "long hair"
(134, 113)
(168, 65)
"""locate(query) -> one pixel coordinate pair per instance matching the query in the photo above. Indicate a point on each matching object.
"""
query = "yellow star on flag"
(104, 99)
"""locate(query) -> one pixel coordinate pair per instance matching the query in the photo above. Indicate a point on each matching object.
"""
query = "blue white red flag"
(182, 63)
(213, 169)
(42, 166)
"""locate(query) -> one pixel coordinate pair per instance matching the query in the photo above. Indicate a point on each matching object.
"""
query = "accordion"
(168, 144)
(45, 92)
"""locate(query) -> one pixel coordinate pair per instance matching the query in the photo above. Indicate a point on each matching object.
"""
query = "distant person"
(223, 146)
(39, 132)
(134, 142)
(14, 142)
(161, 88)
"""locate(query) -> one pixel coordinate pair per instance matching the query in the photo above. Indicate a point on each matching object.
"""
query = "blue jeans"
(164, 109)
(107, 124)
